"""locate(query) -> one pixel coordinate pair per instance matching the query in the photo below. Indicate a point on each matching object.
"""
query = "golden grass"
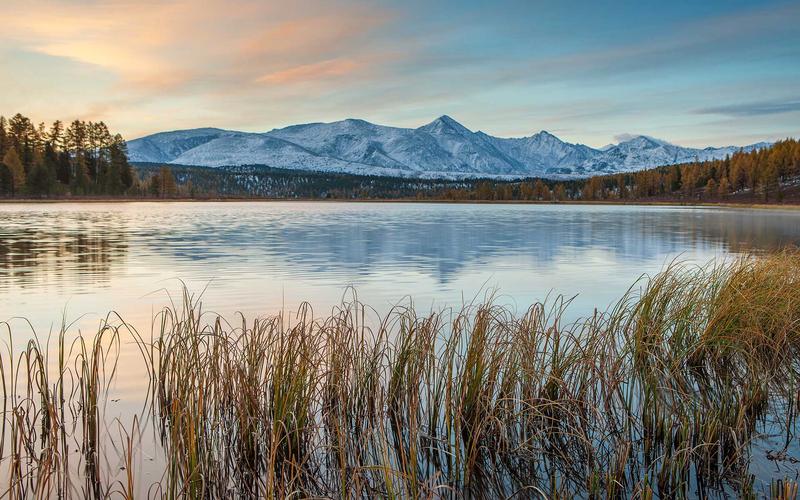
(662, 395)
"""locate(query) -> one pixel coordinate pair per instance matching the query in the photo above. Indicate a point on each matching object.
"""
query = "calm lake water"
(84, 260)
(80, 261)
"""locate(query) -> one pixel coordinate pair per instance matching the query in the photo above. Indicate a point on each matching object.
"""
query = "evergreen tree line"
(83, 158)
(258, 181)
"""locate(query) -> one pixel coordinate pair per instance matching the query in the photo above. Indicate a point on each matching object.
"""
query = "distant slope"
(441, 149)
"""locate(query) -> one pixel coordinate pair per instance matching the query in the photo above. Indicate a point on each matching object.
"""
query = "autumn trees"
(83, 158)
(16, 172)
(762, 173)
(163, 184)
(758, 175)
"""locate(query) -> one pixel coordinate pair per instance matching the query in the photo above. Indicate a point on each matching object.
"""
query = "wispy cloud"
(311, 72)
(174, 44)
(753, 108)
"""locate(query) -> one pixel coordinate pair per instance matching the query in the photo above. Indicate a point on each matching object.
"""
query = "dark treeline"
(258, 181)
(767, 175)
(82, 158)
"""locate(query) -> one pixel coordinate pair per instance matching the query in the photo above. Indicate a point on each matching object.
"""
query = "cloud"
(311, 35)
(181, 45)
(316, 71)
(753, 108)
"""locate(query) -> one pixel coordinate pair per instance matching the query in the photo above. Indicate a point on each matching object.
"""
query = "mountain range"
(441, 149)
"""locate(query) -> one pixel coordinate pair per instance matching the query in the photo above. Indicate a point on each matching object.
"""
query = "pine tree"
(154, 187)
(116, 180)
(56, 135)
(540, 191)
(622, 187)
(22, 135)
(76, 146)
(41, 138)
(42, 177)
(5, 180)
(64, 169)
(80, 178)
(40, 182)
(4, 139)
(526, 191)
(484, 191)
(169, 187)
(13, 163)
(98, 142)
(711, 188)
(770, 180)
(724, 187)
(118, 158)
(559, 192)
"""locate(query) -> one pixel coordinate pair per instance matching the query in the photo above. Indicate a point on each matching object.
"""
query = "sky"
(694, 73)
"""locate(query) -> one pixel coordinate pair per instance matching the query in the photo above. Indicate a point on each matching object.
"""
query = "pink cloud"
(315, 71)
(169, 45)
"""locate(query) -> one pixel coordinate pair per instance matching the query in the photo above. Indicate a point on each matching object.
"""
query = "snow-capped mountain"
(442, 148)
(544, 152)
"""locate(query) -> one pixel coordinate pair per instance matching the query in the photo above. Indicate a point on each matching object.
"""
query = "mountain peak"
(444, 123)
(356, 121)
(643, 141)
(544, 135)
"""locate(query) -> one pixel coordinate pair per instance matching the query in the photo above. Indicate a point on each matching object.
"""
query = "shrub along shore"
(687, 386)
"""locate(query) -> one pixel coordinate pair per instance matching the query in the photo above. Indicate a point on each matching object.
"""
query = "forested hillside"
(766, 175)
(769, 174)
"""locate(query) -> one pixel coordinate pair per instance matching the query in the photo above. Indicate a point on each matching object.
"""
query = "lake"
(86, 259)
(81, 260)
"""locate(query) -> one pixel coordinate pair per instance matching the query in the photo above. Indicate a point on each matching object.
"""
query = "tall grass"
(675, 391)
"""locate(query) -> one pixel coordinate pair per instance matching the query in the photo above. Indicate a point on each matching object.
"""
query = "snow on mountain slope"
(166, 146)
(262, 149)
(543, 153)
(348, 140)
(646, 152)
(442, 148)
(465, 151)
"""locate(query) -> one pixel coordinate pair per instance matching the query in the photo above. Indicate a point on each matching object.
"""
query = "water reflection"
(443, 240)
(51, 250)
(259, 254)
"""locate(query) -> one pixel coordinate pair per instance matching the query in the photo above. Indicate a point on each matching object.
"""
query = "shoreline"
(760, 206)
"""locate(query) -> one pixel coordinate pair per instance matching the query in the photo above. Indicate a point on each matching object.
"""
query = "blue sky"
(694, 73)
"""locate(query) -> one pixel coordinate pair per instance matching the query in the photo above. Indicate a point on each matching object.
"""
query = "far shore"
(662, 203)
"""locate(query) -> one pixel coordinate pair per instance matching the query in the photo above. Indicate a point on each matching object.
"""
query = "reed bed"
(675, 391)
